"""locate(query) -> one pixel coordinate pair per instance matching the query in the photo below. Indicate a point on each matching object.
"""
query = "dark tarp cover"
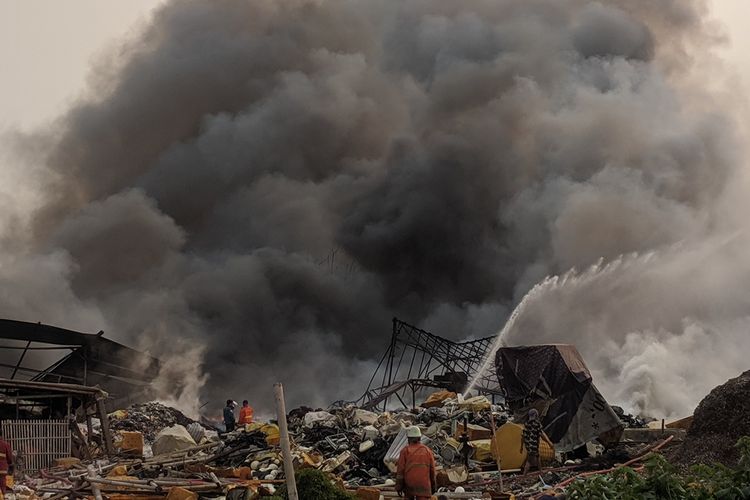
(555, 380)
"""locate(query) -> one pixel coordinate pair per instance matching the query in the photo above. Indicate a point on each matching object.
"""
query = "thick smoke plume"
(271, 181)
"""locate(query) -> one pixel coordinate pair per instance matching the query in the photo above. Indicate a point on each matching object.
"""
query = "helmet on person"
(413, 432)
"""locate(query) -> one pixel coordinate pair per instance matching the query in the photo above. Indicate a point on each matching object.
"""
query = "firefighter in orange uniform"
(415, 476)
(246, 413)
(6, 462)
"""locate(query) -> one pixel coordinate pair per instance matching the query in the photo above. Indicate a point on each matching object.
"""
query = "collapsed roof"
(555, 380)
(417, 359)
(32, 351)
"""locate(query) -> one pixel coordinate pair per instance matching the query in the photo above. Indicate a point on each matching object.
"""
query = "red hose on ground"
(606, 471)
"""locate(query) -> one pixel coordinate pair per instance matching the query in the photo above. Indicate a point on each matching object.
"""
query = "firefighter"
(415, 476)
(229, 421)
(246, 413)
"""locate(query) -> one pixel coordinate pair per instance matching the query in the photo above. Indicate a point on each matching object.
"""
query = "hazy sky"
(46, 47)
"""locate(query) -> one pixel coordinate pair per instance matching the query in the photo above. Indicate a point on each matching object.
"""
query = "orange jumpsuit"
(415, 475)
(246, 415)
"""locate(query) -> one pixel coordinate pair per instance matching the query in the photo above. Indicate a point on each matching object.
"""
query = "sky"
(47, 46)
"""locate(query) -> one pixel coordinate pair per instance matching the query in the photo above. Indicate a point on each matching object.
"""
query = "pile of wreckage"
(162, 453)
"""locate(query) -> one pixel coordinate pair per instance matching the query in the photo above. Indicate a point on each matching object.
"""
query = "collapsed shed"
(44, 353)
(39, 420)
(555, 380)
(56, 377)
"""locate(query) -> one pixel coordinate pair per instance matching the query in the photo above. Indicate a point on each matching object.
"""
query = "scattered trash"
(148, 419)
(349, 452)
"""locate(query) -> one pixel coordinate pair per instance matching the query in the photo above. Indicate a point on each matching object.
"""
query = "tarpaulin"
(172, 439)
(554, 379)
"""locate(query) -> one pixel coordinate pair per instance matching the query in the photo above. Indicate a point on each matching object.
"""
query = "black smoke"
(275, 180)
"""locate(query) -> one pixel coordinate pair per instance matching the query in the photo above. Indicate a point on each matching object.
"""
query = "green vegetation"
(313, 484)
(660, 480)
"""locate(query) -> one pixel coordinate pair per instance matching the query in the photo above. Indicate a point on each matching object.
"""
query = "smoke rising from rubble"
(273, 181)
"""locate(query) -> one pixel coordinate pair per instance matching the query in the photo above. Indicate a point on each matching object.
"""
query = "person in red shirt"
(6, 462)
(246, 413)
(415, 475)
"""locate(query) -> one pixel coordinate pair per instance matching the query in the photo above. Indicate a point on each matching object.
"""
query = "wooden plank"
(65, 388)
(106, 435)
(79, 435)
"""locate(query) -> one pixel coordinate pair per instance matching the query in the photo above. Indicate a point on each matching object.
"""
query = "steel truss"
(416, 359)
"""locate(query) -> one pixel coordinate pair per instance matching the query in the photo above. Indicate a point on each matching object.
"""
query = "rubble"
(356, 447)
(630, 421)
(149, 419)
(353, 449)
(150, 451)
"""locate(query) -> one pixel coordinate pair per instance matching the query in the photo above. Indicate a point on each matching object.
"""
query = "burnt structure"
(39, 419)
(416, 359)
(43, 353)
(554, 380)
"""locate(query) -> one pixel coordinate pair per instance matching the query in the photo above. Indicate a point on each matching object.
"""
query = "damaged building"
(554, 380)
(49, 375)
(43, 353)
(551, 378)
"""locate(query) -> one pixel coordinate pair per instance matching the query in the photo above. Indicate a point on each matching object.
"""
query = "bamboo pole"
(494, 442)
(128, 484)
(106, 435)
(94, 487)
(291, 485)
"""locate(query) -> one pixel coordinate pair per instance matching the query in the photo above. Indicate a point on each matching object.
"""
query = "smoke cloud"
(270, 182)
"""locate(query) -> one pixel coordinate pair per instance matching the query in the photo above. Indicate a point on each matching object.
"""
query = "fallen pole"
(286, 451)
(640, 458)
(490, 482)
(446, 494)
(94, 487)
(141, 485)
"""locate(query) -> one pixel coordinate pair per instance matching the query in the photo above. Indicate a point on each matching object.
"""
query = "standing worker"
(532, 433)
(6, 462)
(246, 413)
(229, 421)
(415, 476)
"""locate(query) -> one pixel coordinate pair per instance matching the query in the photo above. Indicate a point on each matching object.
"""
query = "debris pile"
(355, 451)
(362, 447)
(630, 421)
(719, 421)
(148, 419)
(355, 448)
